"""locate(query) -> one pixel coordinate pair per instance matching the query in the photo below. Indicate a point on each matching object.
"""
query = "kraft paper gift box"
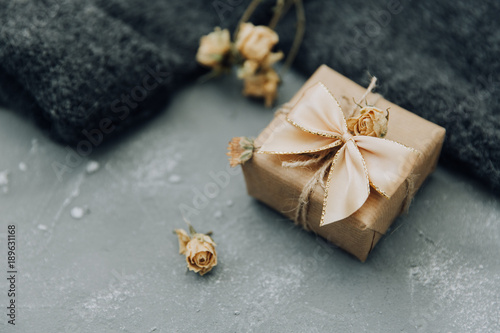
(279, 187)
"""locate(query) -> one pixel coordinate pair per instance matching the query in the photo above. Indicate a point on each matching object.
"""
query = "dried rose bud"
(371, 122)
(263, 85)
(240, 150)
(214, 47)
(200, 254)
(199, 249)
(255, 42)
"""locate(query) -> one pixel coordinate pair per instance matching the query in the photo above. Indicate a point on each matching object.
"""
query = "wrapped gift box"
(278, 187)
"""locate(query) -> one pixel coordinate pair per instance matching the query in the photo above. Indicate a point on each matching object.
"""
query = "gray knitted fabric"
(91, 68)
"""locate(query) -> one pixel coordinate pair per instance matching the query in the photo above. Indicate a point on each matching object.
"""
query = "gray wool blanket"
(90, 68)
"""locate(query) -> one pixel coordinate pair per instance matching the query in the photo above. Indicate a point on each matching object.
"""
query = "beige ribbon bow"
(316, 123)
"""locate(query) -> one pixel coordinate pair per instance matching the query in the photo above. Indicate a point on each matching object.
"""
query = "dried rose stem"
(208, 76)
(246, 15)
(299, 35)
(278, 12)
(368, 90)
(288, 5)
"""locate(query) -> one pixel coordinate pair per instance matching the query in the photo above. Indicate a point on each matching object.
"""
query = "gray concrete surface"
(116, 268)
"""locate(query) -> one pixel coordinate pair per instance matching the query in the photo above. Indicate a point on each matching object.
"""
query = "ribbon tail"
(389, 163)
(347, 186)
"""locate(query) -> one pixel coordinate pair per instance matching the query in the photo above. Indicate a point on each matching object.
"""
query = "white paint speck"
(34, 145)
(77, 212)
(4, 181)
(174, 179)
(42, 227)
(229, 203)
(155, 167)
(22, 166)
(218, 214)
(92, 166)
(4, 178)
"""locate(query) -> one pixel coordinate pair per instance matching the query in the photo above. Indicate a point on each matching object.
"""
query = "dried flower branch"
(251, 51)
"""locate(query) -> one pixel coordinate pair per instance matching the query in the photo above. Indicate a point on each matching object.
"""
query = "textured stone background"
(116, 269)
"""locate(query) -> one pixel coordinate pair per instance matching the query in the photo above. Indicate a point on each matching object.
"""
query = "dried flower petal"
(183, 240)
(251, 67)
(271, 59)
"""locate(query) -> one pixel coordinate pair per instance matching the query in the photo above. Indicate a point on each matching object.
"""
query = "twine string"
(372, 86)
(410, 193)
(326, 159)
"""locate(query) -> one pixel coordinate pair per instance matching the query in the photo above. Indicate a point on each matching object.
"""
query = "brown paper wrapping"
(280, 187)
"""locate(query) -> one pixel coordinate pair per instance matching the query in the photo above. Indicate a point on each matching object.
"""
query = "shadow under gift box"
(280, 187)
